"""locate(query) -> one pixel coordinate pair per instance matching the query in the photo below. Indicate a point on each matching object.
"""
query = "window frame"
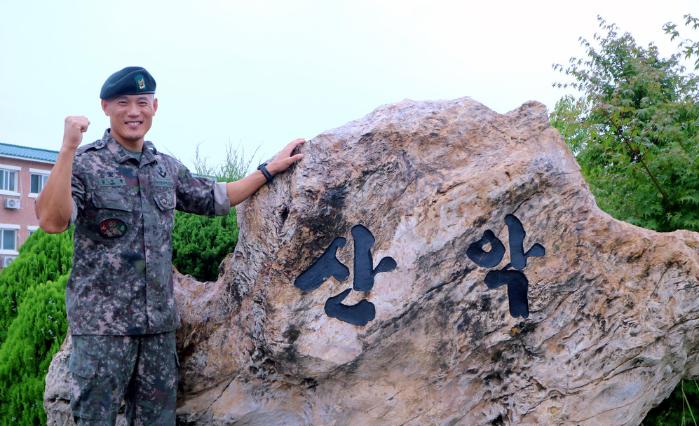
(9, 227)
(11, 170)
(41, 173)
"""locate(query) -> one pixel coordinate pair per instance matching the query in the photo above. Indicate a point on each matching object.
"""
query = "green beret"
(129, 81)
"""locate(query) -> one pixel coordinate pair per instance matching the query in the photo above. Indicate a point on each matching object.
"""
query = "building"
(23, 174)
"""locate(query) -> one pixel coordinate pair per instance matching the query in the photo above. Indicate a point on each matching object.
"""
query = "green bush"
(43, 257)
(199, 243)
(33, 338)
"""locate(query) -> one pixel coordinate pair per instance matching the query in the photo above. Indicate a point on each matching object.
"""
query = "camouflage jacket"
(123, 210)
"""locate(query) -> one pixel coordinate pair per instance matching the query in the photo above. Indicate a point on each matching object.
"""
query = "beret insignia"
(140, 82)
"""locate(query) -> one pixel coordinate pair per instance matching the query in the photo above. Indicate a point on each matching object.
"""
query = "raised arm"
(55, 205)
(240, 190)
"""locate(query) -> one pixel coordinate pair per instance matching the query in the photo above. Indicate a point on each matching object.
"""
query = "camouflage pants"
(142, 370)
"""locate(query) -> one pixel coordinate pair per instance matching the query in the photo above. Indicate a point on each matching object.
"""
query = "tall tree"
(634, 129)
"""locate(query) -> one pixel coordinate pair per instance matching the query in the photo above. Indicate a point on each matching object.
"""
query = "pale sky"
(258, 74)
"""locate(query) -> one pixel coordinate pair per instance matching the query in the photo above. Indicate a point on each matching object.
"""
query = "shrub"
(33, 338)
(199, 243)
(43, 257)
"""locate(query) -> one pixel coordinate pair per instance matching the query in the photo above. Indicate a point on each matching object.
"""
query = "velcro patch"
(111, 181)
(162, 183)
(113, 228)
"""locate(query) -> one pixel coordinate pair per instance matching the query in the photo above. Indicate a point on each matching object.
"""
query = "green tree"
(634, 129)
(33, 338)
(43, 257)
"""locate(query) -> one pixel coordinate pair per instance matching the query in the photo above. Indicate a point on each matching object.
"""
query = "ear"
(105, 105)
(155, 105)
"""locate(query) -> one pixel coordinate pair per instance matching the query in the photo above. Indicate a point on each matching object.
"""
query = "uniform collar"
(148, 154)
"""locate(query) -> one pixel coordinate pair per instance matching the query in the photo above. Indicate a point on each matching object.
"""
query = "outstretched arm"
(240, 190)
(55, 204)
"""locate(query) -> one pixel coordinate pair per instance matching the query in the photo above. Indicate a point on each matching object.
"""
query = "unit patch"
(112, 228)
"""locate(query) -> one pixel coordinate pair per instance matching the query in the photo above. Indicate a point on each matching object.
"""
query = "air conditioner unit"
(12, 203)
(7, 260)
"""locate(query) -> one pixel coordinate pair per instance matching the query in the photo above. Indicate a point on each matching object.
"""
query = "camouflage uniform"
(107, 368)
(119, 299)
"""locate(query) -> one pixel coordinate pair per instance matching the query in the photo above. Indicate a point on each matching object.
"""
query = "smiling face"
(130, 118)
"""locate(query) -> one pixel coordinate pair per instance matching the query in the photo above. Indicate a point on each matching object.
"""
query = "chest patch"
(113, 228)
(162, 183)
(112, 181)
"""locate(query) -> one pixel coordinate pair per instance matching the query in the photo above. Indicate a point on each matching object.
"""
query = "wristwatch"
(263, 168)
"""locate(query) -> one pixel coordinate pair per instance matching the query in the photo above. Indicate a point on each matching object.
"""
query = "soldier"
(121, 193)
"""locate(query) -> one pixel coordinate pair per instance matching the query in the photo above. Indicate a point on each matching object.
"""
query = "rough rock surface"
(613, 308)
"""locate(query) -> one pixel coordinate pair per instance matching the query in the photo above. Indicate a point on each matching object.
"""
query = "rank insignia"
(112, 228)
(141, 82)
(161, 171)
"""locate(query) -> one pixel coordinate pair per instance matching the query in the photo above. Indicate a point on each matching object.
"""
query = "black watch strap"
(263, 168)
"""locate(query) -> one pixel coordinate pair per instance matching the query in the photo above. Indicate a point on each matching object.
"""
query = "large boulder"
(435, 263)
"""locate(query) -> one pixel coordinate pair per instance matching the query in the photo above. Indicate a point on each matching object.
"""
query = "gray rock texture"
(613, 308)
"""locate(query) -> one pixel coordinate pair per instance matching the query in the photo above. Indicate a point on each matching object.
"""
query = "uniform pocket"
(112, 215)
(112, 200)
(82, 365)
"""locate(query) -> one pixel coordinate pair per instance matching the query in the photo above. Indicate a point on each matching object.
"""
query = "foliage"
(32, 323)
(33, 338)
(634, 129)
(689, 48)
(199, 243)
(43, 257)
(234, 166)
(680, 408)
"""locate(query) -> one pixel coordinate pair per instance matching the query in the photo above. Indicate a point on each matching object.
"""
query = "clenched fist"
(75, 126)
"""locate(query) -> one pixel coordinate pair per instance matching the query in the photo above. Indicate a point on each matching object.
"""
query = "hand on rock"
(284, 159)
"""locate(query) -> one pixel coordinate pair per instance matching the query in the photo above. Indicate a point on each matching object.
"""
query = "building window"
(8, 239)
(37, 182)
(8, 180)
